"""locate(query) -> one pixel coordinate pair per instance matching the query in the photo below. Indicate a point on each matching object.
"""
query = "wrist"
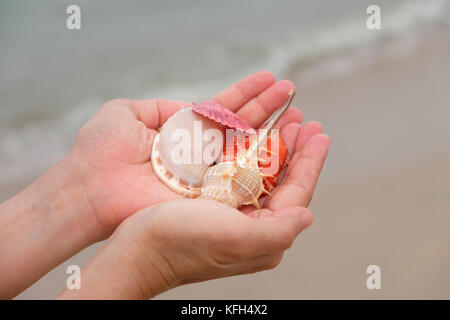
(42, 226)
(128, 266)
(60, 193)
(66, 183)
(143, 254)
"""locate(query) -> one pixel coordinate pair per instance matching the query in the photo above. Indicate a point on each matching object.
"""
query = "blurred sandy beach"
(383, 197)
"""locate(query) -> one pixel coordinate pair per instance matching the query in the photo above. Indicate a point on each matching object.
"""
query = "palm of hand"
(113, 148)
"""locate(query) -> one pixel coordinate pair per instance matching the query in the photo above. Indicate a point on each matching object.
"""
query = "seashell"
(184, 177)
(235, 183)
(241, 181)
(267, 168)
(216, 112)
(266, 156)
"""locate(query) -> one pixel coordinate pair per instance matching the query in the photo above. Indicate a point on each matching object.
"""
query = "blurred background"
(382, 95)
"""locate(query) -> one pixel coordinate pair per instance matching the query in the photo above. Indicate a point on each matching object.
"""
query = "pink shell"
(218, 113)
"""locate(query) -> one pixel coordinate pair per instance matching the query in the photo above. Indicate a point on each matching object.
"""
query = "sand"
(383, 197)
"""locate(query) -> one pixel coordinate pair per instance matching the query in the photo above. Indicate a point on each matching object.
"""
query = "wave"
(339, 51)
(331, 51)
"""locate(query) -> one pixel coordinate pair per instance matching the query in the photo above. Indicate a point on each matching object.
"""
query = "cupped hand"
(185, 241)
(113, 148)
(203, 239)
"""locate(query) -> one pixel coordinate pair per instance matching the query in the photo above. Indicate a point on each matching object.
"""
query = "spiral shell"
(236, 183)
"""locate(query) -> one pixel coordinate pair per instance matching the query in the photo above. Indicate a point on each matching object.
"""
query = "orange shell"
(264, 162)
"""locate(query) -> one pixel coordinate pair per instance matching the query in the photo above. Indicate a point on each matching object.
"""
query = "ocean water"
(52, 79)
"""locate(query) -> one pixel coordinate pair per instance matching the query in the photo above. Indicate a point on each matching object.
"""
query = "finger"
(302, 175)
(289, 134)
(244, 90)
(293, 114)
(273, 232)
(258, 109)
(266, 262)
(308, 130)
(153, 113)
(247, 266)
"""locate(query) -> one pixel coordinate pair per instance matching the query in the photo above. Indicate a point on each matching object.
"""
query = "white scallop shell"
(186, 177)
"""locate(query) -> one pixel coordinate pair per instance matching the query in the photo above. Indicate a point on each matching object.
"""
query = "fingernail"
(306, 218)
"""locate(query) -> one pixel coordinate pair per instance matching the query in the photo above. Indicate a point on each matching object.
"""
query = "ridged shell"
(176, 184)
(235, 183)
(218, 113)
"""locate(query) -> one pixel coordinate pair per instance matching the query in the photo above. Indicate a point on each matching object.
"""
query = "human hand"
(113, 148)
(184, 241)
(106, 177)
